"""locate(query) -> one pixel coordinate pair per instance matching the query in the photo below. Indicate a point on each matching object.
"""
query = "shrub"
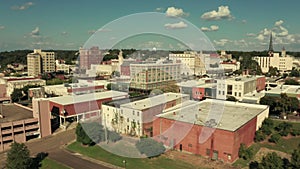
(259, 136)
(275, 138)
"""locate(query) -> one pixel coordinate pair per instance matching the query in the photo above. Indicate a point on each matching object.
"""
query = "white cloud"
(2, 27)
(64, 33)
(260, 37)
(221, 42)
(175, 12)
(178, 25)
(23, 7)
(278, 23)
(35, 32)
(211, 28)
(222, 13)
(244, 21)
(251, 34)
(159, 9)
(284, 32)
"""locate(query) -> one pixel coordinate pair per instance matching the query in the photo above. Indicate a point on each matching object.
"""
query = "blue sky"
(228, 24)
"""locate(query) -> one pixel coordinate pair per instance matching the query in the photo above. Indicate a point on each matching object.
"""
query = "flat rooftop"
(154, 101)
(12, 112)
(219, 114)
(294, 89)
(73, 99)
(243, 78)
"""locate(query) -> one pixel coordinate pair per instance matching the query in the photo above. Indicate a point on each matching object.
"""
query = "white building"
(282, 62)
(135, 117)
(239, 86)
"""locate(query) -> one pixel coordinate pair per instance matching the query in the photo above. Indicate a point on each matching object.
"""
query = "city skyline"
(230, 25)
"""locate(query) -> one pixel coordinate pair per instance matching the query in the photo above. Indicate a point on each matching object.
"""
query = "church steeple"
(271, 45)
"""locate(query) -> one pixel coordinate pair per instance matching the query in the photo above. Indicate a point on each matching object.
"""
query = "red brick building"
(202, 128)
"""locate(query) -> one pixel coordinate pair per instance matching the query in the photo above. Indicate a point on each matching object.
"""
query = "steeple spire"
(271, 46)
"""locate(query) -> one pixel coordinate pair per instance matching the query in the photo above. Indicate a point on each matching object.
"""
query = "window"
(138, 113)
(133, 112)
(223, 92)
(190, 145)
(127, 120)
(240, 94)
(208, 152)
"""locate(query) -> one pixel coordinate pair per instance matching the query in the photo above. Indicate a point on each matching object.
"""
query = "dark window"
(207, 151)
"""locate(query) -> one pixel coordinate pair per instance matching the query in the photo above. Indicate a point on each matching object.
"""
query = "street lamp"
(124, 162)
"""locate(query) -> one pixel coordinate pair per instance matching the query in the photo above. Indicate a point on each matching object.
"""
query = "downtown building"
(193, 63)
(149, 76)
(40, 62)
(134, 116)
(239, 86)
(211, 128)
(282, 62)
(87, 57)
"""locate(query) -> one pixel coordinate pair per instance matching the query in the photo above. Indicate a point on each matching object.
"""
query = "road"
(53, 146)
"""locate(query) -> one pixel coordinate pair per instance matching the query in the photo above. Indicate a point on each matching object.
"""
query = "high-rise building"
(87, 57)
(40, 62)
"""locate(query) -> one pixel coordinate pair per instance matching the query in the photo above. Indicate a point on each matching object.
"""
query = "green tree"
(259, 136)
(108, 86)
(291, 82)
(16, 95)
(150, 147)
(244, 152)
(82, 137)
(18, 157)
(271, 161)
(295, 159)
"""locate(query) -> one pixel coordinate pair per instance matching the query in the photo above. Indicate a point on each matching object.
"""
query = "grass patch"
(49, 164)
(98, 153)
(284, 145)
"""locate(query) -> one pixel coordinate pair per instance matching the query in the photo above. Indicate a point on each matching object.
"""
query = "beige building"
(40, 62)
(152, 76)
(8, 84)
(17, 124)
(192, 62)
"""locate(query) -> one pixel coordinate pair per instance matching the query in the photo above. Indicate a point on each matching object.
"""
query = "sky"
(227, 24)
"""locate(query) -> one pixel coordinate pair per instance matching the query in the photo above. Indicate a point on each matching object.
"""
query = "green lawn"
(51, 164)
(98, 153)
(284, 145)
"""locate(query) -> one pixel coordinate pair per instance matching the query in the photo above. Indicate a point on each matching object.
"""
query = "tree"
(259, 136)
(291, 82)
(295, 159)
(150, 147)
(82, 137)
(108, 86)
(16, 95)
(244, 152)
(271, 161)
(18, 157)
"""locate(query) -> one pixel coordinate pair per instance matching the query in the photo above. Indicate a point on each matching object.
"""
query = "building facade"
(87, 57)
(147, 77)
(239, 86)
(40, 62)
(192, 62)
(135, 117)
(199, 128)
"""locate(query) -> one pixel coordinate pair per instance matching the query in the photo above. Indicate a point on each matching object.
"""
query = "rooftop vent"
(211, 123)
